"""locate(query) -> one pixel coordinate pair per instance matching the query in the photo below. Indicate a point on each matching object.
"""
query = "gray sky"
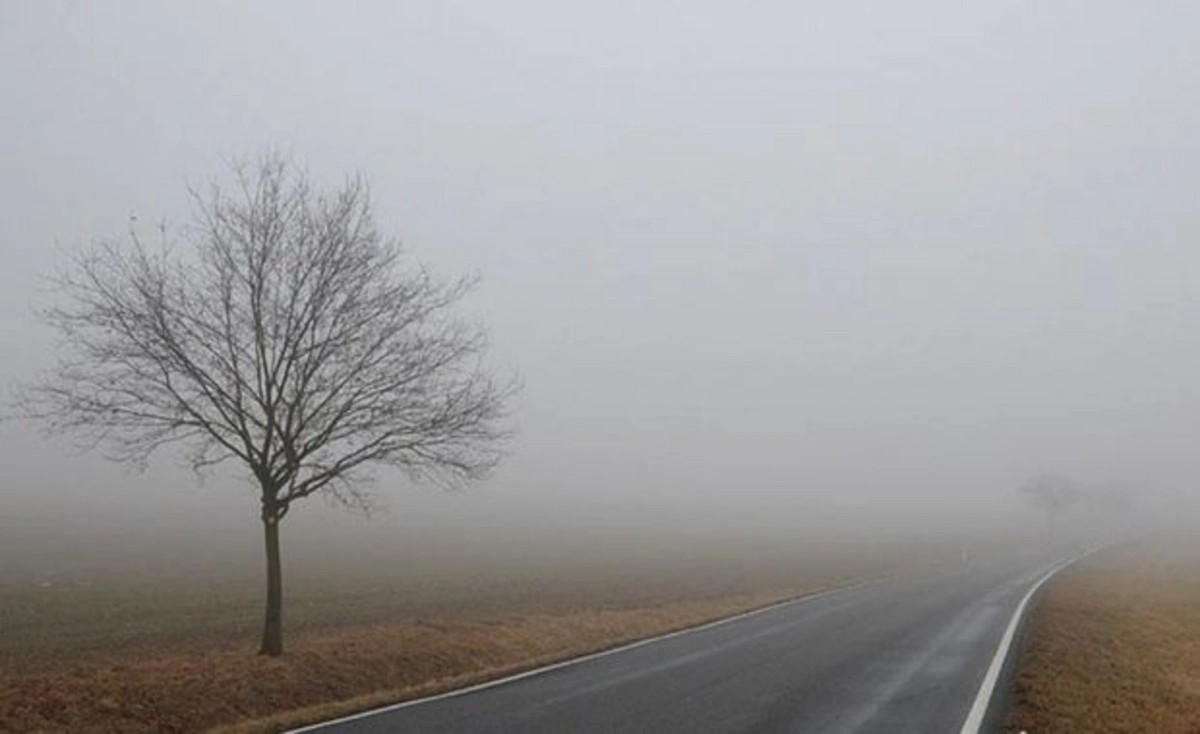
(758, 260)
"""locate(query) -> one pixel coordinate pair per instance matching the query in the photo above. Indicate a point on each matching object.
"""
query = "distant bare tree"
(286, 334)
(1054, 494)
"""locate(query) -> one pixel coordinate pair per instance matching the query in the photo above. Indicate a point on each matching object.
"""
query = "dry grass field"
(323, 673)
(161, 653)
(1115, 647)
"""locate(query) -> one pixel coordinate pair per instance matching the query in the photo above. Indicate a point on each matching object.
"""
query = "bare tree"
(1054, 494)
(282, 332)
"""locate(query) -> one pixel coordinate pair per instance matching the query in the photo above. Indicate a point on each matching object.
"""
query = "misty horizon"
(757, 269)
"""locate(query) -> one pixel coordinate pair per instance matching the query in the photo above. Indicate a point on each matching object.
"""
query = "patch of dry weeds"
(1115, 647)
(327, 673)
(150, 659)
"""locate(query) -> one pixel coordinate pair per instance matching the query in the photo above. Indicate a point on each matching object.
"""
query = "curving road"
(904, 655)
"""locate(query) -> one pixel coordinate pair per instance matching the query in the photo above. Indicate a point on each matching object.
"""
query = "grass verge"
(329, 673)
(1114, 646)
(148, 654)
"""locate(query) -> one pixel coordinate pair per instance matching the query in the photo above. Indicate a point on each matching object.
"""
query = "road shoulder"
(1113, 646)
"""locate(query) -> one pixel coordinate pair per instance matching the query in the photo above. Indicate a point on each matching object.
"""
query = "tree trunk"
(272, 639)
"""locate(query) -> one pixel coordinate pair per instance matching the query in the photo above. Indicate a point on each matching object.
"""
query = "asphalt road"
(905, 655)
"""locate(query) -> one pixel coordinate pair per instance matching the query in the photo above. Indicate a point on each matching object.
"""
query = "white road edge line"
(592, 656)
(987, 689)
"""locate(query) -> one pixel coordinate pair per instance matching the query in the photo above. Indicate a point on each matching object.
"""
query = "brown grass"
(1115, 647)
(326, 673)
(151, 653)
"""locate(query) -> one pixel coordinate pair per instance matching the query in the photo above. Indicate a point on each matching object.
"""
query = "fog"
(765, 269)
